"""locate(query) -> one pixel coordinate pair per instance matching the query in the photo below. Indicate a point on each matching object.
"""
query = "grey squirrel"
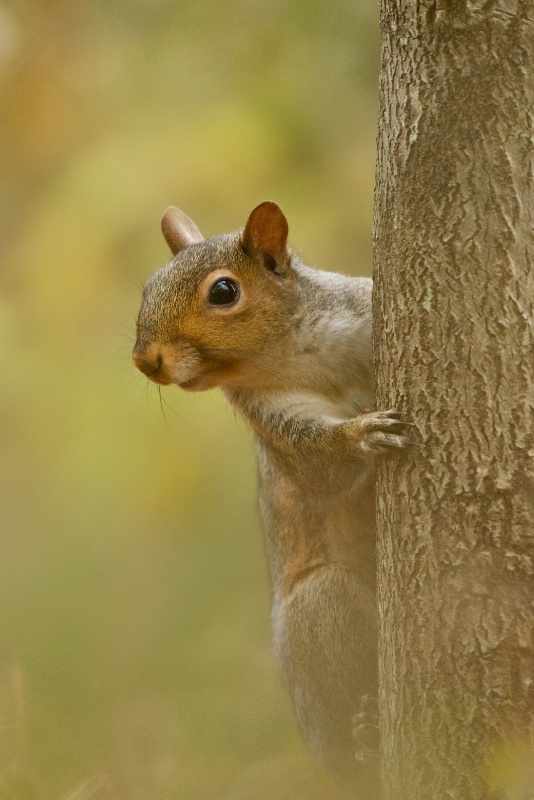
(290, 347)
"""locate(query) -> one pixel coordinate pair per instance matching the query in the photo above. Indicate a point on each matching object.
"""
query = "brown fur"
(293, 355)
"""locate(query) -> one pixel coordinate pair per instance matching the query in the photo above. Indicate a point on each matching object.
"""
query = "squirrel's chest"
(332, 366)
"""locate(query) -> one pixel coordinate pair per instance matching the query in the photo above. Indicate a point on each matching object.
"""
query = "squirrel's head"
(218, 313)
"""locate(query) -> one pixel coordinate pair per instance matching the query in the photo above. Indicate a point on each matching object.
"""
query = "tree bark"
(454, 349)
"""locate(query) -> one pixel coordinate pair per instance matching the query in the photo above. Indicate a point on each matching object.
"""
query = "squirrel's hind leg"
(325, 640)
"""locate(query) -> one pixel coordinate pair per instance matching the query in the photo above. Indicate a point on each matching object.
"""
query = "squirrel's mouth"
(215, 375)
(192, 383)
(204, 380)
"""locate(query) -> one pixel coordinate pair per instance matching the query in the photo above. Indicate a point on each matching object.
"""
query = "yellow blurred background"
(135, 658)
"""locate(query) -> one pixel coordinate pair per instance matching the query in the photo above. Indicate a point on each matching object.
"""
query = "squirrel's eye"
(224, 292)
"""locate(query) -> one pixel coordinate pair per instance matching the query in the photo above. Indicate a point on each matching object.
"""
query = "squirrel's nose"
(149, 363)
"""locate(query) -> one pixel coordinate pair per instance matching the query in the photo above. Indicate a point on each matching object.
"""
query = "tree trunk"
(454, 328)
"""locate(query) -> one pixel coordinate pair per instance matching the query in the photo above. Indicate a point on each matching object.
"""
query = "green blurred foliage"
(135, 660)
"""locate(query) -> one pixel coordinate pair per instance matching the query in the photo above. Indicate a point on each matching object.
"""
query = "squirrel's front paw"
(378, 431)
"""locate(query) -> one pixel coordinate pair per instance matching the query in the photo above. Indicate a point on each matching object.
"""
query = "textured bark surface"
(454, 349)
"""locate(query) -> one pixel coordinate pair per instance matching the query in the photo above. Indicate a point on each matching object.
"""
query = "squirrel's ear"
(265, 234)
(179, 231)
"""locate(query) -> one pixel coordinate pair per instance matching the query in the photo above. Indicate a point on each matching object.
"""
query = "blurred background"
(135, 658)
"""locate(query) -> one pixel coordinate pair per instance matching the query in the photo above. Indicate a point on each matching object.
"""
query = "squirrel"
(290, 347)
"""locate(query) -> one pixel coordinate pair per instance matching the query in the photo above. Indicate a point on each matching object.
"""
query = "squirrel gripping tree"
(454, 351)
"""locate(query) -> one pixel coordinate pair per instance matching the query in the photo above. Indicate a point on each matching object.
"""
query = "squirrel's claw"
(379, 431)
